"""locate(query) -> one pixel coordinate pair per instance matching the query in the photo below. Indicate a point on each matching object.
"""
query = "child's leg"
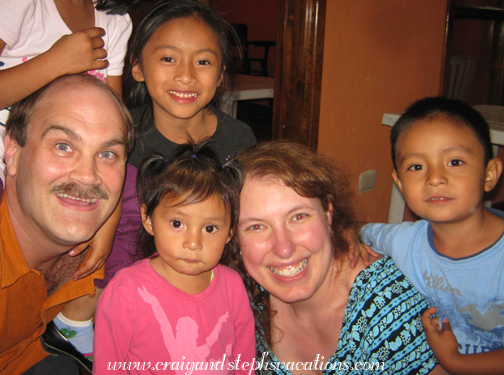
(76, 322)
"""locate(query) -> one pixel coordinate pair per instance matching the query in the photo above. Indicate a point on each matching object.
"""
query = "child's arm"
(75, 53)
(115, 83)
(445, 347)
(379, 237)
(101, 244)
(374, 243)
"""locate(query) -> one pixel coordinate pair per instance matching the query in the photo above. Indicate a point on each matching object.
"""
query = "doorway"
(298, 69)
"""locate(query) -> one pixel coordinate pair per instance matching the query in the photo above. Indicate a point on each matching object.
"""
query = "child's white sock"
(79, 333)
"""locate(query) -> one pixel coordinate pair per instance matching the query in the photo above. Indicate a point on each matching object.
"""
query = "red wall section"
(379, 56)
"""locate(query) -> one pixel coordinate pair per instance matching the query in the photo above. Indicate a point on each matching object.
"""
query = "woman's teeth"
(290, 271)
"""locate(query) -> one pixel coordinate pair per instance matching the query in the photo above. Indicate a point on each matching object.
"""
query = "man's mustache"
(75, 190)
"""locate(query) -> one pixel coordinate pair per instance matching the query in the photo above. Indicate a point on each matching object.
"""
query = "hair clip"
(230, 156)
(193, 156)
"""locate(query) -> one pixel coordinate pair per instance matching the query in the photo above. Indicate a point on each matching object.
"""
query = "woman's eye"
(455, 163)
(176, 223)
(415, 167)
(63, 147)
(299, 216)
(255, 227)
(210, 229)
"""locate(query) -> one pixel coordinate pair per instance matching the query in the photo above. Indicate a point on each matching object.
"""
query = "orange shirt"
(25, 308)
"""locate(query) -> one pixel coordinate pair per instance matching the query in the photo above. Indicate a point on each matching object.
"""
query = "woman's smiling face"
(285, 239)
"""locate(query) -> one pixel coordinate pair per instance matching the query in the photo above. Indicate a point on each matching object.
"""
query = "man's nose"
(85, 171)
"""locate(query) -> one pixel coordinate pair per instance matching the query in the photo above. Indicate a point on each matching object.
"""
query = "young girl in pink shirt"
(178, 309)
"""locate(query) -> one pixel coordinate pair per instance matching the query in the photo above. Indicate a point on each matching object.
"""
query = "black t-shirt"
(231, 136)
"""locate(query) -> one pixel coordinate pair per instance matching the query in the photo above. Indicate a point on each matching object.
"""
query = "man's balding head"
(22, 112)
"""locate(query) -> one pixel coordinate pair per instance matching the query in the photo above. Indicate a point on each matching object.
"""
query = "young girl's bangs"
(182, 185)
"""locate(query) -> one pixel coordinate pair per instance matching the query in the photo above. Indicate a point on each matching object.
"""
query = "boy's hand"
(361, 251)
(442, 341)
(80, 51)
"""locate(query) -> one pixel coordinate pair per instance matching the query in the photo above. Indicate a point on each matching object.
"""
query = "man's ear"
(136, 72)
(146, 220)
(396, 179)
(12, 154)
(492, 173)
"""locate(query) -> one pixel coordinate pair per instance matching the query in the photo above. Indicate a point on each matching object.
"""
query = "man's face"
(69, 175)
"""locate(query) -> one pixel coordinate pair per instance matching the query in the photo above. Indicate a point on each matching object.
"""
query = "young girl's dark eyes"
(167, 59)
(176, 223)
(210, 229)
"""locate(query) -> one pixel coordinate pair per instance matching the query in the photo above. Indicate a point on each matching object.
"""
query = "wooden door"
(298, 75)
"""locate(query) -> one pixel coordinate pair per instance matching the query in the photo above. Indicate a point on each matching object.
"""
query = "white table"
(493, 114)
(248, 87)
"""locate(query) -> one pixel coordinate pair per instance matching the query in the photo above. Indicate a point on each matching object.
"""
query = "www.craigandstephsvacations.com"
(187, 368)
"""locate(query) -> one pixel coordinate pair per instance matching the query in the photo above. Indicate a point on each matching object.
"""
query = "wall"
(379, 56)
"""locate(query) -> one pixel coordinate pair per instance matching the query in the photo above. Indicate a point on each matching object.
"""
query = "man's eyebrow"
(113, 142)
(73, 135)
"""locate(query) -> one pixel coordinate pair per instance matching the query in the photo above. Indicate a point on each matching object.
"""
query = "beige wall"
(379, 56)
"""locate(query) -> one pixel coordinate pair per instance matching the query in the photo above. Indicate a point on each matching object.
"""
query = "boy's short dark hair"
(442, 108)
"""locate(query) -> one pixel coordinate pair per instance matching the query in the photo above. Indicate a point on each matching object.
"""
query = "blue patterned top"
(381, 331)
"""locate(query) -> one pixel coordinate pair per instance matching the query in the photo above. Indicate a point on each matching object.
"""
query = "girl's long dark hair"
(120, 7)
(135, 93)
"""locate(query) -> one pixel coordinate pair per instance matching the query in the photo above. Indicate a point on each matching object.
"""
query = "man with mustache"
(65, 151)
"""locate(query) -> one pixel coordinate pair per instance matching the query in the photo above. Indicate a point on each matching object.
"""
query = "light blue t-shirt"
(468, 291)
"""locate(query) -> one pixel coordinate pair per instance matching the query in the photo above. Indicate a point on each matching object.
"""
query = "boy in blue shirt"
(443, 165)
